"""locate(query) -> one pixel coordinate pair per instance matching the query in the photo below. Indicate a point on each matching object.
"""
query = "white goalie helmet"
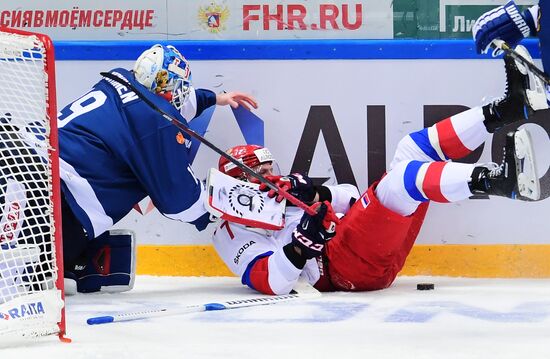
(164, 71)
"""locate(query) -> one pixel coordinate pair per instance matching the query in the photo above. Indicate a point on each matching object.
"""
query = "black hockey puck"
(424, 286)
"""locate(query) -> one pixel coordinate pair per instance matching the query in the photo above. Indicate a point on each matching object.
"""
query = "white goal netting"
(31, 302)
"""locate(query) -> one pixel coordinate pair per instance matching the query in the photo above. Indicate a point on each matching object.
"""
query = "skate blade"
(536, 94)
(536, 91)
(527, 177)
(521, 50)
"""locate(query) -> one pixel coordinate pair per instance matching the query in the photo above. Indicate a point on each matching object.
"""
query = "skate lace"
(509, 68)
(498, 100)
(495, 169)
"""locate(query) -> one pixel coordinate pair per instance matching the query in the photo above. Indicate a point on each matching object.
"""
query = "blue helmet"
(164, 70)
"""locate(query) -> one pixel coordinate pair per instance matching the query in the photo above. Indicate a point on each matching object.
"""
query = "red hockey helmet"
(250, 155)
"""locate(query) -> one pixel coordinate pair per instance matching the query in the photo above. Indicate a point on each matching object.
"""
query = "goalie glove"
(298, 185)
(505, 23)
(310, 235)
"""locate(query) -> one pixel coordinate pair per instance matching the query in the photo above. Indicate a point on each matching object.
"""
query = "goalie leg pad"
(110, 263)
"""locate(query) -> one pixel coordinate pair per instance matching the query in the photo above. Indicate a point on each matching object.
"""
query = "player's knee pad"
(109, 265)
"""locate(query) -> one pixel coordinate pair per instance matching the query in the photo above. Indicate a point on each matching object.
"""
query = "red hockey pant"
(371, 245)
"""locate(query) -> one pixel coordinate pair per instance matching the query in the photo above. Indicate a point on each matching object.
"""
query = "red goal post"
(31, 257)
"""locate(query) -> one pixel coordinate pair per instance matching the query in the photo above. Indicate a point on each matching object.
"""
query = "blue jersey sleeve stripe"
(205, 99)
(246, 275)
(423, 142)
(410, 181)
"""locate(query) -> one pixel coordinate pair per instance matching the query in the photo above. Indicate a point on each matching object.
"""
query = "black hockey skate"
(515, 177)
(525, 93)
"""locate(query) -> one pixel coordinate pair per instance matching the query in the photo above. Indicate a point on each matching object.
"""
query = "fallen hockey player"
(366, 249)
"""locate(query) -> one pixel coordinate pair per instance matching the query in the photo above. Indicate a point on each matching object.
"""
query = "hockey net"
(31, 280)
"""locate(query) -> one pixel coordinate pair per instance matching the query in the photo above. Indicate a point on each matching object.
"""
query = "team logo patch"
(245, 199)
(264, 155)
(365, 201)
(180, 139)
(4, 316)
(213, 17)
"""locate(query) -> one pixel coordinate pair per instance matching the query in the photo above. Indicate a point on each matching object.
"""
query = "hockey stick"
(249, 171)
(306, 291)
(518, 57)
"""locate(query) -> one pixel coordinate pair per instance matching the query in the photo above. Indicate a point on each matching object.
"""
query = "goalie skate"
(527, 178)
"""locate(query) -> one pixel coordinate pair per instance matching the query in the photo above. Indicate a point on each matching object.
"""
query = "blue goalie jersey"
(115, 150)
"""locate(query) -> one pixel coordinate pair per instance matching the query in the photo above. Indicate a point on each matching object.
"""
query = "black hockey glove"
(310, 235)
(298, 185)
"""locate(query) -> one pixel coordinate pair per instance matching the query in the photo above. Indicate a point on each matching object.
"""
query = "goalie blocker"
(242, 202)
(107, 266)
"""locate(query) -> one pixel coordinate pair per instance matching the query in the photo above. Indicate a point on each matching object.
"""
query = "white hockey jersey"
(257, 256)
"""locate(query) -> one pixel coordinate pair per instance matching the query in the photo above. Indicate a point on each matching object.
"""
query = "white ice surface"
(461, 318)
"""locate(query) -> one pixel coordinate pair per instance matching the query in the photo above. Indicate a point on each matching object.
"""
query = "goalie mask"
(164, 71)
(256, 157)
